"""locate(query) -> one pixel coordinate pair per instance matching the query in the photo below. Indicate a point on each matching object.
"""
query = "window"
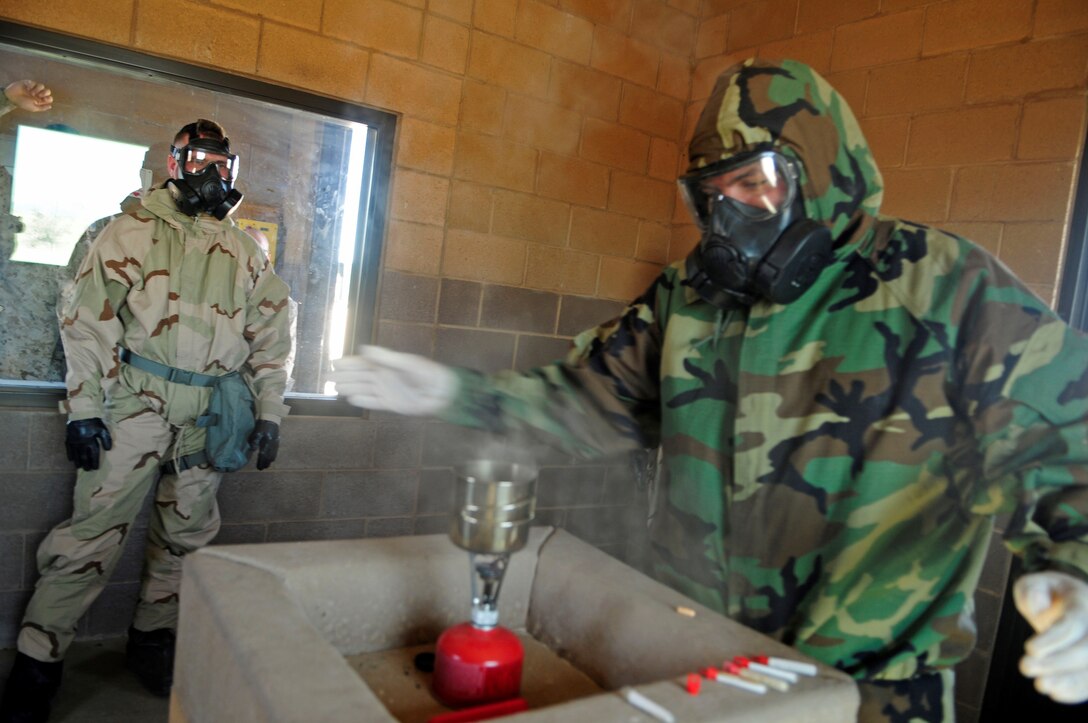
(314, 174)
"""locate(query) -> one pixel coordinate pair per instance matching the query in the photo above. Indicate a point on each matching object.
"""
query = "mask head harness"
(757, 242)
(208, 171)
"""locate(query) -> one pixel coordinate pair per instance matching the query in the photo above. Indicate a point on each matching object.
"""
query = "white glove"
(1056, 605)
(392, 381)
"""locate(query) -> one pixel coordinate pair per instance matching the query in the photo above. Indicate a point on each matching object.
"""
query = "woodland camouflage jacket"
(193, 293)
(832, 468)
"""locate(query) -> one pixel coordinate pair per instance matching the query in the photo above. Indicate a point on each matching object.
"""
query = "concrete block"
(267, 632)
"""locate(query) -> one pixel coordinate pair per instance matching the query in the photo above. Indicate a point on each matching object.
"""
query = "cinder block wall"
(534, 192)
(334, 478)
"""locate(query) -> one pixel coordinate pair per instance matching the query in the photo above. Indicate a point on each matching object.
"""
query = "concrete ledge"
(264, 630)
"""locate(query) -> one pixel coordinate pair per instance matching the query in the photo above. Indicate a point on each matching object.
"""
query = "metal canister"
(494, 504)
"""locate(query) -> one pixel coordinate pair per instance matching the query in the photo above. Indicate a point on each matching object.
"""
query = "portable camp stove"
(480, 661)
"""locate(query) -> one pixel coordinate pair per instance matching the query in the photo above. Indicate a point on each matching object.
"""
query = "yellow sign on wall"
(264, 232)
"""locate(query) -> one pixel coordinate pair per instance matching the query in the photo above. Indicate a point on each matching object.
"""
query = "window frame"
(1073, 292)
(366, 272)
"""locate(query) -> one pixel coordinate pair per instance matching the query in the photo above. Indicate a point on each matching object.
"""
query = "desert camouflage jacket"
(192, 293)
(832, 468)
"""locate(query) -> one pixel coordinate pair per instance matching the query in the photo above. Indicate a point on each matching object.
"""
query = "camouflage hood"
(788, 106)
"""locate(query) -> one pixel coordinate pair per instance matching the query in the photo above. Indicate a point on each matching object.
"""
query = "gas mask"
(209, 187)
(757, 242)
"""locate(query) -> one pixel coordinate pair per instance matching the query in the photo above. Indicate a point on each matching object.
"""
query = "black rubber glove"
(266, 438)
(82, 440)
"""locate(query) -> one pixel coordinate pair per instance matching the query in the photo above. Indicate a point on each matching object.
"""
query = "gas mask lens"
(200, 155)
(756, 187)
(208, 170)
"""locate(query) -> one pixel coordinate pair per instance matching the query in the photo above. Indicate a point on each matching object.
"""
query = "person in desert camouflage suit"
(833, 461)
(188, 290)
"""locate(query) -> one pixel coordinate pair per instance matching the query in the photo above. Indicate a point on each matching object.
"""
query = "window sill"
(46, 395)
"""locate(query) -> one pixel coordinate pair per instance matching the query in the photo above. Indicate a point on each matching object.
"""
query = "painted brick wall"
(525, 125)
(335, 478)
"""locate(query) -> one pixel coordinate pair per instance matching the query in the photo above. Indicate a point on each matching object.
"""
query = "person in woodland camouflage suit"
(844, 402)
(175, 283)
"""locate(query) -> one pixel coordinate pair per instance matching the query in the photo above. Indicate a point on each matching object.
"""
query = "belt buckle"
(182, 376)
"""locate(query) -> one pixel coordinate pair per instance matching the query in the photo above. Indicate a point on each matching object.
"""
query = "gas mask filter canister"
(209, 188)
(757, 242)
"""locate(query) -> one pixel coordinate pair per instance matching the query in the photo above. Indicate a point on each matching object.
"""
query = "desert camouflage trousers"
(78, 556)
(921, 699)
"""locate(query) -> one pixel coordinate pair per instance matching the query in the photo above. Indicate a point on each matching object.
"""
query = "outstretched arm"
(603, 399)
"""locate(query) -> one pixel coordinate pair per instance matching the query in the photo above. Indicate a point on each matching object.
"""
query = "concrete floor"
(97, 688)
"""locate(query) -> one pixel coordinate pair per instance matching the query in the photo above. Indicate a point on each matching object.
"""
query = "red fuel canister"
(475, 665)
